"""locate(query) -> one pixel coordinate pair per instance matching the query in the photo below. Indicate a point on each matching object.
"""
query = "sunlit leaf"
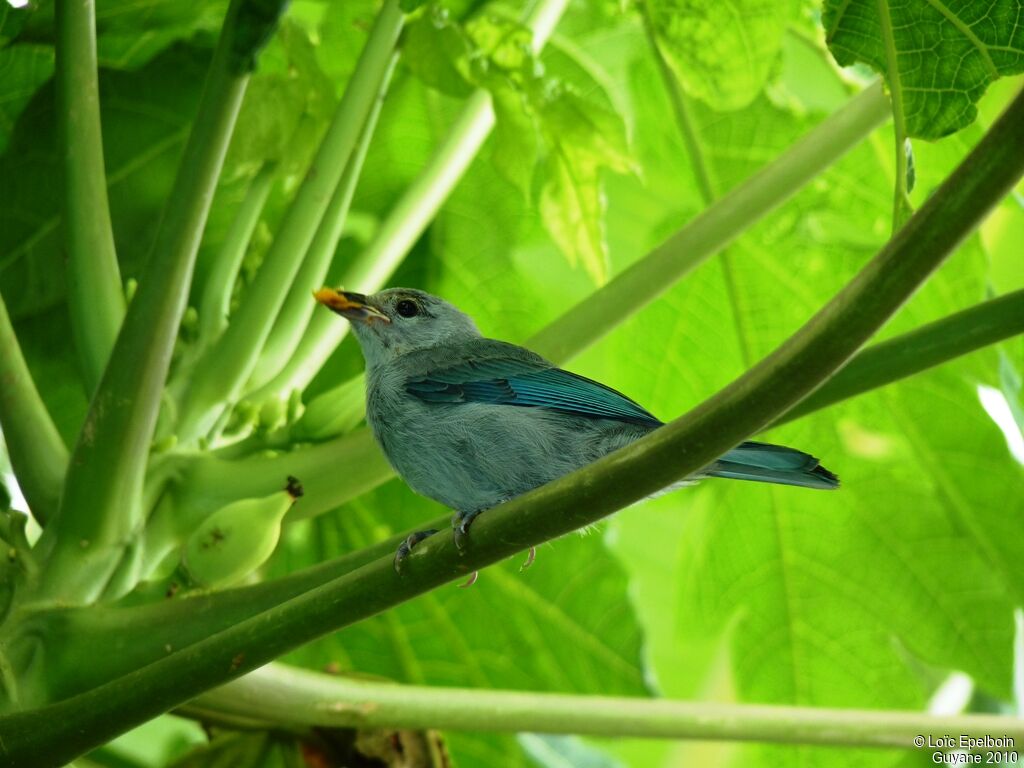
(582, 139)
(722, 53)
(436, 50)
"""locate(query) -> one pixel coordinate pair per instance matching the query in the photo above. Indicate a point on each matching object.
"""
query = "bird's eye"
(407, 308)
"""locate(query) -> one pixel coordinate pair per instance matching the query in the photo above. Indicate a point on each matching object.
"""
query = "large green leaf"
(937, 58)
(131, 32)
(146, 116)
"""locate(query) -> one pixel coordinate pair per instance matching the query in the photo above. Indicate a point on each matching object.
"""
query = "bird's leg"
(460, 526)
(405, 548)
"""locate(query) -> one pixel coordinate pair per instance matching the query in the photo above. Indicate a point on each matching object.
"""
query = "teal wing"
(527, 384)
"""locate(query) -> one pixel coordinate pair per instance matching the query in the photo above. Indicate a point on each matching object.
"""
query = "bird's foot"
(405, 548)
(470, 581)
(460, 527)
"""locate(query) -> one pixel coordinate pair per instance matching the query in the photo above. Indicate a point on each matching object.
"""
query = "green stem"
(296, 698)
(95, 293)
(410, 217)
(221, 373)
(334, 412)
(332, 473)
(38, 455)
(216, 299)
(294, 316)
(135, 636)
(930, 345)
(901, 207)
(100, 512)
(712, 229)
(61, 730)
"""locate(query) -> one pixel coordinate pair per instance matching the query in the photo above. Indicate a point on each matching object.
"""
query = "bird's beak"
(353, 306)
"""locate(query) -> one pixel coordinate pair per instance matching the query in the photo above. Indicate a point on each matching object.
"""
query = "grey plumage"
(472, 422)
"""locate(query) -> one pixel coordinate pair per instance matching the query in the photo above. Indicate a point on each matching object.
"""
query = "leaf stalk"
(95, 293)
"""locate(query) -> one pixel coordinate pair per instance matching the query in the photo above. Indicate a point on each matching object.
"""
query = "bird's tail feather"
(766, 463)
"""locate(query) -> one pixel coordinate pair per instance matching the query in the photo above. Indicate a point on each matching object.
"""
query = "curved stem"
(38, 454)
(95, 293)
(61, 730)
(221, 373)
(901, 207)
(331, 472)
(930, 345)
(216, 299)
(292, 697)
(100, 511)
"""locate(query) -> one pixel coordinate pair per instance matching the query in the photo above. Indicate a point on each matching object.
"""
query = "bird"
(472, 422)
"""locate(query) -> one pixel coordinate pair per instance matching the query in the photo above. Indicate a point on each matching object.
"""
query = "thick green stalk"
(221, 373)
(294, 316)
(38, 455)
(216, 299)
(59, 731)
(95, 293)
(290, 697)
(712, 229)
(410, 217)
(331, 472)
(930, 345)
(100, 513)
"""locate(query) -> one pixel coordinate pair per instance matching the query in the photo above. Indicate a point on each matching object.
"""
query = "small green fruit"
(237, 539)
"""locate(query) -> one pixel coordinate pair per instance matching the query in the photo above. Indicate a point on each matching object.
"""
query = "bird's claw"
(406, 547)
(529, 559)
(460, 527)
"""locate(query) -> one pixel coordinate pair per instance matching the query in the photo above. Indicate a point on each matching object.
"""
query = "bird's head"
(399, 320)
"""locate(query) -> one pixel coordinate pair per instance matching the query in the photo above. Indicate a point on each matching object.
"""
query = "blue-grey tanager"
(472, 422)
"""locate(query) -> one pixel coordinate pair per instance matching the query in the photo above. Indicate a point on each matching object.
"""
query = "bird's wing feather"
(528, 382)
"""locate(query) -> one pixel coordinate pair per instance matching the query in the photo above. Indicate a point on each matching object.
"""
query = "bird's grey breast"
(473, 455)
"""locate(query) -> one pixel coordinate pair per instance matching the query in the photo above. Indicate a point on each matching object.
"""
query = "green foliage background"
(867, 597)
